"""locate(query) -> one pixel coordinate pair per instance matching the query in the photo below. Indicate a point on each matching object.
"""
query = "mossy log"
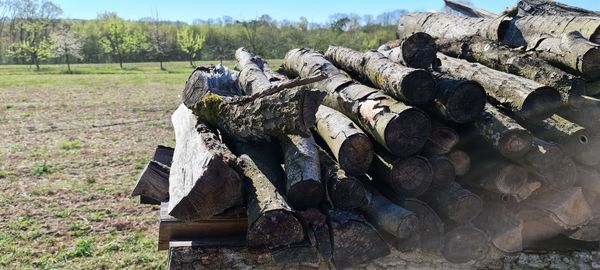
(389, 217)
(551, 8)
(210, 92)
(503, 133)
(202, 179)
(343, 191)
(401, 129)
(503, 58)
(416, 51)
(303, 172)
(454, 202)
(461, 161)
(524, 97)
(409, 176)
(413, 86)
(441, 140)
(348, 143)
(464, 243)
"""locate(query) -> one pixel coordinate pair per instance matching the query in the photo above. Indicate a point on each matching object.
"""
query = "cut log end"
(419, 50)
(542, 103)
(590, 64)
(515, 143)
(406, 134)
(356, 154)
(276, 226)
(466, 208)
(418, 87)
(511, 179)
(441, 140)
(466, 102)
(306, 193)
(461, 162)
(412, 176)
(349, 194)
(443, 171)
(464, 244)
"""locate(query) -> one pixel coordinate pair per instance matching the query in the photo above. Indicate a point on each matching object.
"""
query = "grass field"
(71, 149)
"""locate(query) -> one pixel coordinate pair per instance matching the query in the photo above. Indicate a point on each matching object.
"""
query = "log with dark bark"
(415, 51)
(522, 96)
(303, 172)
(464, 243)
(503, 133)
(459, 101)
(202, 182)
(430, 234)
(530, 30)
(354, 240)
(441, 140)
(461, 162)
(550, 162)
(164, 155)
(502, 226)
(409, 176)
(550, 8)
(271, 221)
(343, 191)
(210, 91)
(401, 129)
(527, 65)
(413, 86)
(468, 10)
(454, 202)
(389, 217)
(443, 171)
(348, 143)
(571, 50)
(171, 228)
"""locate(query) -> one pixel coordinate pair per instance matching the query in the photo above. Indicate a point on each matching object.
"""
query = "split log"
(271, 221)
(461, 162)
(454, 202)
(501, 225)
(354, 240)
(430, 234)
(443, 171)
(415, 51)
(549, 161)
(468, 10)
(464, 243)
(527, 65)
(571, 50)
(459, 101)
(524, 97)
(303, 172)
(281, 110)
(343, 191)
(172, 229)
(348, 143)
(503, 133)
(202, 182)
(153, 182)
(389, 217)
(413, 86)
(441, 140)
(409, 176)
(401, 129)
(551, 8)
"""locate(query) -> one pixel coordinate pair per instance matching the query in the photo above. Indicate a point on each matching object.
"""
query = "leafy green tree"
(35, 47)
(120, 40)
(190, 42)
(67, 44)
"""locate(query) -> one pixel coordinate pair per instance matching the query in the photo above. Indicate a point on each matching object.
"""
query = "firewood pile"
(470, 137)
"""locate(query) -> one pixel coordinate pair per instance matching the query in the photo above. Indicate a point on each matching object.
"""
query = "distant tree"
(35, 47)
(67, 44)
(158, 41)
(118, 39)
(190, 42)
(340, 25)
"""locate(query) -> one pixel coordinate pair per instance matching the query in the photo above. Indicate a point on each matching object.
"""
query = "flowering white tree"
(67, 44)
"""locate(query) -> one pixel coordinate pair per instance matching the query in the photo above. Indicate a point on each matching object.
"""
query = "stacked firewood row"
(467, 137)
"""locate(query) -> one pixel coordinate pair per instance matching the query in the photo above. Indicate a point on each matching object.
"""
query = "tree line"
(31, 32)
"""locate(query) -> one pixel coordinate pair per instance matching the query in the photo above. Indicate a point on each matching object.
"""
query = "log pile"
(459, 139)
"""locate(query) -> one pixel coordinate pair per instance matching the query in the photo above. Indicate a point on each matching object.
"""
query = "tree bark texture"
(503, 133)
(416, 51)
(412, 86)
(202, 182)
(343, 191)
(348, 143)
(208, 93)
(388, 216)
(251, 78)
(524, 97)
(444, 25)
(527, 65)
(528, 30)
(401, 129)
(303, 171)
(409, 176)
(454, 202)
(551, 8)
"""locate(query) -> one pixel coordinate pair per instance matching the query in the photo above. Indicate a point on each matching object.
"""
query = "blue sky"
(313, 10)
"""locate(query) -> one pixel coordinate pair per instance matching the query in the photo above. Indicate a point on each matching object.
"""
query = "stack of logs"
(469, 137)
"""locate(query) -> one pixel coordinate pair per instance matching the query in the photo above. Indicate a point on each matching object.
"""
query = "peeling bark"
(550, 8)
